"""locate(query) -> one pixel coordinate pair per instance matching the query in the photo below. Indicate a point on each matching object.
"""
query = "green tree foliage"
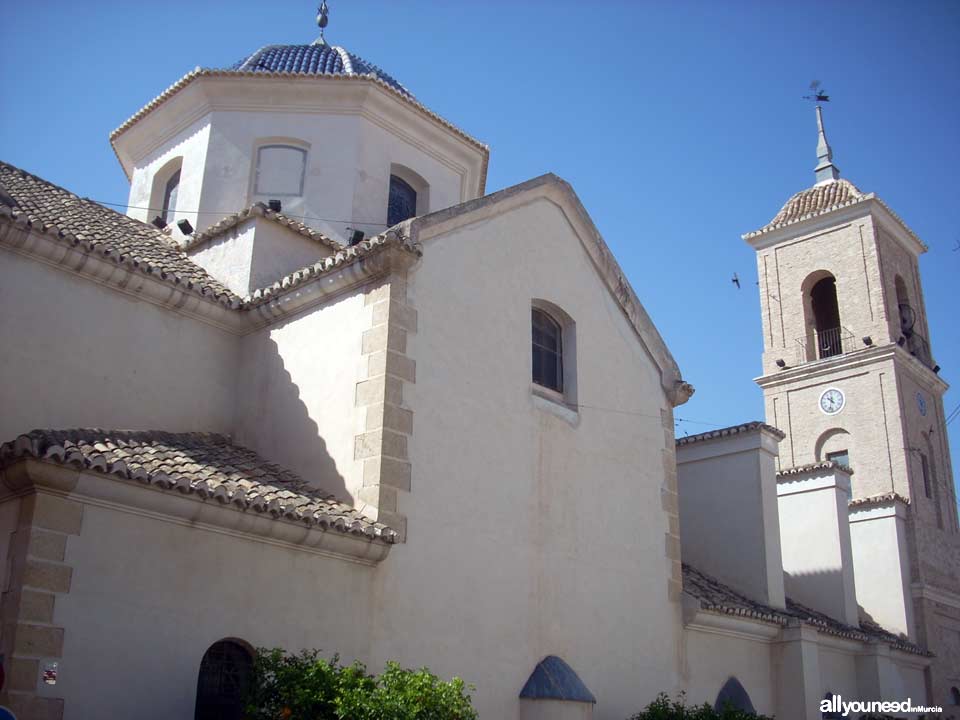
(663, 708)
(308, 687)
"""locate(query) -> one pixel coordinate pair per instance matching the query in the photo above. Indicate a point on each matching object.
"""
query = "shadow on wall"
(810, 588)
(274, 420)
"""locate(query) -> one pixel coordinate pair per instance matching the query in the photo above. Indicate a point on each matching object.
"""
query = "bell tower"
(849, 376)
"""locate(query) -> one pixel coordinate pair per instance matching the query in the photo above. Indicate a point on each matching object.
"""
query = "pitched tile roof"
(817, 200)
(809, 467)
(91, 227)
(732, 430)
(717, 597)
(316, 59)
(878, 500)
(206, 465)
(345, 256)
(260, 210)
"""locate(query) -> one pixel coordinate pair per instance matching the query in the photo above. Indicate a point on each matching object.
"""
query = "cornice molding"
(75, 260)
(365, 96)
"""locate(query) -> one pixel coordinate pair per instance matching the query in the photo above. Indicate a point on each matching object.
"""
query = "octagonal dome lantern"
(314, 129)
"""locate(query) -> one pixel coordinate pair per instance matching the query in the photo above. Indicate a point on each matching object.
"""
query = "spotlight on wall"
(936, 369)
(356, 237)
(185, 227)
(867, 340)
(781, 363)
(275, 205)
(159, 222)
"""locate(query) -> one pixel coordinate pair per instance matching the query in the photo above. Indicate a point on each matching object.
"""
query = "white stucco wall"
(538, 531)
(146, 200)
(815, 542)
(729, 521)
(555, 710)
(712, 658)
(882, 565)
(79, 354)
(838, 672)
(349, 156)
(139, 619)
(296, 391)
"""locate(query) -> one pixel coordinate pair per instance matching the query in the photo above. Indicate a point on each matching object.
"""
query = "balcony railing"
(822, 344)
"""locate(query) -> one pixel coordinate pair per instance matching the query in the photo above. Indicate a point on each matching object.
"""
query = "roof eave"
(29, 474)
(773, 234)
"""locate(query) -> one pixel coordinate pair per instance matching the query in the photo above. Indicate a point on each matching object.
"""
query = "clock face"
(922, 404)
(831, 401)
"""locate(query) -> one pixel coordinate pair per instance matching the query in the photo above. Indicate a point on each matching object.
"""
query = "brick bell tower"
(849, 376)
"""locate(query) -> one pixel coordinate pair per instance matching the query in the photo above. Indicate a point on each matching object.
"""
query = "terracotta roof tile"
(813, 201)
(816, 200)
(879, 499)
(81, 223)
(201, 464)
(91, 228)
(822, 465)
(345, 256)
(717, 597)
(732, 430)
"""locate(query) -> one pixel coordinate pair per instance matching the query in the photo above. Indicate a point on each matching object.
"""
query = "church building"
(319, 389)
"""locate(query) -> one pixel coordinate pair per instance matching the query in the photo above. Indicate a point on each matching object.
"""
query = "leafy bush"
(308, 687)
(663, 708)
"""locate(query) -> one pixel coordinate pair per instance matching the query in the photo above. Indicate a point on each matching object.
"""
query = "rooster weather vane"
(817, 94)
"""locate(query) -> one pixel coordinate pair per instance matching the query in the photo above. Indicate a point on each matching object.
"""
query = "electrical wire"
(954, 414)
(222, 213)
(677, 420)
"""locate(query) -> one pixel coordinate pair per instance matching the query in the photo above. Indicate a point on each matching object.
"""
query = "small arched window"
(733, 694)
(280, 171)
(826, 317)
(402, 203)
(547, 351)
(907, 315)
(955, 695)
(170, 192)
(226, 672)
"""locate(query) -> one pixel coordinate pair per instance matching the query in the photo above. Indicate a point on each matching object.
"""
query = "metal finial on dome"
(825, 171)
(322, 21)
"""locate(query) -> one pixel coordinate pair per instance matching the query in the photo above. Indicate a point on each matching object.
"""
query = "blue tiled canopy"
(553, 679)
(316, 59)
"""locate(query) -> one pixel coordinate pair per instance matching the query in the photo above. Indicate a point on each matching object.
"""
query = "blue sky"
(680, 125)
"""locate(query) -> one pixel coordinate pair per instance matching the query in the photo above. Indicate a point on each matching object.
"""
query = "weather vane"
(322, 19)
(818, 95)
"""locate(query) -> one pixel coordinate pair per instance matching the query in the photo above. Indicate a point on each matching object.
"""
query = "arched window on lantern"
(408, 195)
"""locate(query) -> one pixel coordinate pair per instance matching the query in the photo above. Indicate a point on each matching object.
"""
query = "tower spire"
(825, 170)
(322, 21)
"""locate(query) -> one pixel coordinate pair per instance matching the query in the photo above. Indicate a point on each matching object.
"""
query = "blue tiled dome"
(316, 59)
